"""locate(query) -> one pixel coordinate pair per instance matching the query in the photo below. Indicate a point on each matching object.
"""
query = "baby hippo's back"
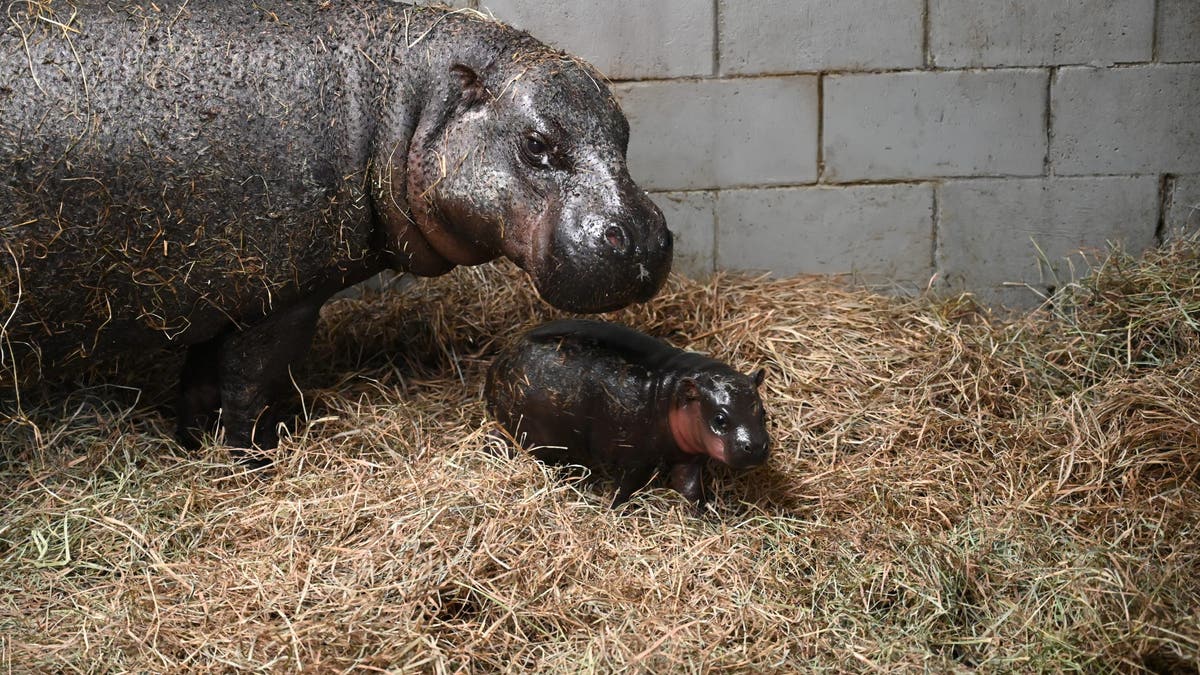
(577, 387)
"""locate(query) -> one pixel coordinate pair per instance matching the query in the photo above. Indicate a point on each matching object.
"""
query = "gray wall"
(967, 143)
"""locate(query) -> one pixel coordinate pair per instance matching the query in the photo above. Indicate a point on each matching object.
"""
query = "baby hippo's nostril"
(754, 453)
(615, 234)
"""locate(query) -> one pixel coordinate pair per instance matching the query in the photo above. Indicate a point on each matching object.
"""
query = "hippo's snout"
(653, 228)
(607, 261)
(617, 239)
(747, 446)
(749, 454)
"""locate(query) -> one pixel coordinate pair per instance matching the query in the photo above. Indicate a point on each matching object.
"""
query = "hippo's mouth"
(585, 275)
(584, 297)
(717, 449)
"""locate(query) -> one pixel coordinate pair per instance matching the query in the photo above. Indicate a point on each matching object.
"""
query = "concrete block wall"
(969, 144)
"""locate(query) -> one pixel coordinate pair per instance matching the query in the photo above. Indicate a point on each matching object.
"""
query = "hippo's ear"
(473, 89)
(758, 377)
(688, 390)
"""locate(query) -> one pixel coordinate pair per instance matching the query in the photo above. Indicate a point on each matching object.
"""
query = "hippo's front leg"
(632, 479)
(687, 478)
(255, 366)
(199, 393)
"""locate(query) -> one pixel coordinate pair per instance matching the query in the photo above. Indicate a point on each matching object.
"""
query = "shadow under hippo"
(207, 174)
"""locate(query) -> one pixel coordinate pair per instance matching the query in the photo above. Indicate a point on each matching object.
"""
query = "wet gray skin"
(605, 396)
(206, 174)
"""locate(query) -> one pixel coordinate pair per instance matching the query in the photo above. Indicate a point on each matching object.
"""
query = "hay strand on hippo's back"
(949, 491)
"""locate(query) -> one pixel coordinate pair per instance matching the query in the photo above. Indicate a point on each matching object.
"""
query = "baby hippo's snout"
(750, 453)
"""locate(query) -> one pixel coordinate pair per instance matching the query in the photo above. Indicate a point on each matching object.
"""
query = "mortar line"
(926, 45)
(1154, 29)
(1047, 169)
(716, 38)
(716, 230)
(820, 128)
(911, 180)
(1120, 65)
(935, 230)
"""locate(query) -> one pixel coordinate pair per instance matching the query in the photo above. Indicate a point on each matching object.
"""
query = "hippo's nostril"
(755, 453)
(615, 234)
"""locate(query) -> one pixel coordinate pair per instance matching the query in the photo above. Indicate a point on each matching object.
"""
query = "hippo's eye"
(720, 423)
(535, 146)
(535, 150)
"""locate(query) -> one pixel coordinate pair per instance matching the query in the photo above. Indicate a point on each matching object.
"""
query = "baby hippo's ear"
(474, 91)
(688, 390)
(758, 377)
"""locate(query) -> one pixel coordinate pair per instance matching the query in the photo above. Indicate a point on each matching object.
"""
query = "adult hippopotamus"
(206, 174)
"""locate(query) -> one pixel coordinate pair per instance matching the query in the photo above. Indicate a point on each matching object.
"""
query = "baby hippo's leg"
(631, 480)
(500, 445)
(551, 454)
(687, 478)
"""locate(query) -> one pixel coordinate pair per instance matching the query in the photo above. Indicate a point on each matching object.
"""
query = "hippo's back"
(566, 382)
(170, 169)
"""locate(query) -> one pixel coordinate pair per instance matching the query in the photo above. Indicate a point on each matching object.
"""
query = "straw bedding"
(948, 491)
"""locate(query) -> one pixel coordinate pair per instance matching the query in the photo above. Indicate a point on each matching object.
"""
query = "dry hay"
(948, 492)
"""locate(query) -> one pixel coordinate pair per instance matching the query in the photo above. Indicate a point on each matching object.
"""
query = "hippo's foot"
(688, 480)
(499, 444)
(198, 407)
(632, 479)
(553, 456)
(244, 377)
(253, 459)
(256, 374)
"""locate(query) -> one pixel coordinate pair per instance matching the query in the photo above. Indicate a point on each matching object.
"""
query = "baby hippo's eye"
(720, 423)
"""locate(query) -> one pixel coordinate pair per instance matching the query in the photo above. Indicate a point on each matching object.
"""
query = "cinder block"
(624, 39)
(1179, 30)
(789, 36)
(1040, 32)
(1183, 212)
(699, 135)
(997, 232)
(1141, 119)
(691, 216)
(879, 233)
(900, 126)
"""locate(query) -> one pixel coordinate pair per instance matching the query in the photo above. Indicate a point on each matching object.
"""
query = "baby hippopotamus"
(605, 396)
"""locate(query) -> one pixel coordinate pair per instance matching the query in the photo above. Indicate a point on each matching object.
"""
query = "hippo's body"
(206, 174)
(605, 396)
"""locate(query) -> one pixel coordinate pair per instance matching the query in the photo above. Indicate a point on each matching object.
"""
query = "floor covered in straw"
(947, 491)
